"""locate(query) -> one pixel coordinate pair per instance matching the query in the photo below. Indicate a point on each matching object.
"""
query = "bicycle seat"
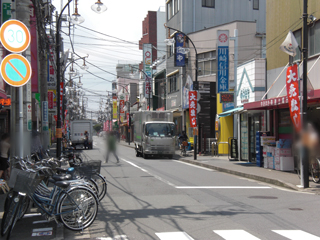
(62, 184)
(65, 177)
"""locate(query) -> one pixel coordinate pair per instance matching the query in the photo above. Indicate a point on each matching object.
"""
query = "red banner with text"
(193, 108)
(292, 82)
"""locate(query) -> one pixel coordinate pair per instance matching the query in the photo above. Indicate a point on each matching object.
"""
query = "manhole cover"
(263, 197)
(296, 209)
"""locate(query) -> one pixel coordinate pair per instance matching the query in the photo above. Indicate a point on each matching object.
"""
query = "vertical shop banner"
(121, 106)
(147, 62)
(180, 53)
(193, 96)
(114, 107)
(128, 119)
(45, 116)
(61, 98)
(34, 49)
(50, 99)
(52, 84)
(292, 83)
(223, 61)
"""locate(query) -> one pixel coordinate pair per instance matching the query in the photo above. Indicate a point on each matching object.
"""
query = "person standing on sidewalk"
(4, 149)
(111, 146)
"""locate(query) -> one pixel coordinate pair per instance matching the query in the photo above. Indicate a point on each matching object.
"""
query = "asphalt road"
(170, 200)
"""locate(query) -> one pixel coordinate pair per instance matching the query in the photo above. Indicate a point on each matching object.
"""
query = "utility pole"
(305, 154)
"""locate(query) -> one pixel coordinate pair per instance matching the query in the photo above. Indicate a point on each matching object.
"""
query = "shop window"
(255, 4)
(173, 83)
(208, 3)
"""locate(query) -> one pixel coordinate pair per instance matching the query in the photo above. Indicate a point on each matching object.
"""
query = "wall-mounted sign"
(5, 102)
(147, 62)
(226, 97)
(223, 61)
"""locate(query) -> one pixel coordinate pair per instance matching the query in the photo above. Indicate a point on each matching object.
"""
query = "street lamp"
(76, 19)
(195, 85)
(99, 7)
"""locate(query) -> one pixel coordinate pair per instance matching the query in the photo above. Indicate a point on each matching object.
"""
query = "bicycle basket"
(24, 182)
(87, 169)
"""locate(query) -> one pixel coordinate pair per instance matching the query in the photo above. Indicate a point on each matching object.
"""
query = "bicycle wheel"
(78, 208)
(101, 184)
(25, 203)
(8, 215)
(18, 200)
(315, 172)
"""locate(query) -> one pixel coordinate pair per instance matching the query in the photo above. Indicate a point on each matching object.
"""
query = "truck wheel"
(170, 156)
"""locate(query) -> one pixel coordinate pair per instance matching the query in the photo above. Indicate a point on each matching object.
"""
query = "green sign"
(6, 10)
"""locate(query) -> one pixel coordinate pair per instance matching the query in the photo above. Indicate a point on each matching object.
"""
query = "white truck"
(77, 130)
(154, 133)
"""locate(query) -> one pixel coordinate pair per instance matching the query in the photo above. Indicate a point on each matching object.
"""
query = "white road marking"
(118, 237)
(146, 171)
(296, 234)
(42, 229)
(222, 187)
(192, 165)
(235, 235)
(174, 236)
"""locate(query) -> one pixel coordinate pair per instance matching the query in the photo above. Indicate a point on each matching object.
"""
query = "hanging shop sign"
(147, 62)
(227, 97)
(223, 61)
(114, 107)
(121, 106)
(180, 54)
(193, 103)
(292, 82)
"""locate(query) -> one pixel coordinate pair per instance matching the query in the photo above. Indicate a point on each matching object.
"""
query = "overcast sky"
(122, 20)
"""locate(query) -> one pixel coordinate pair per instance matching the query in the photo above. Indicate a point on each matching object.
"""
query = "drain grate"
(263, 197)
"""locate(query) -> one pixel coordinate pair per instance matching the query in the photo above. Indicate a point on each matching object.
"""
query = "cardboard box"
(267, 141)
(284, 152)
(286, 164)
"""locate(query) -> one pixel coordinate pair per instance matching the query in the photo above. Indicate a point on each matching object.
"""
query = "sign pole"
(21, 121)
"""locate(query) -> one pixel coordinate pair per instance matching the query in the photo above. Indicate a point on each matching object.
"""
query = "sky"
(122, 20)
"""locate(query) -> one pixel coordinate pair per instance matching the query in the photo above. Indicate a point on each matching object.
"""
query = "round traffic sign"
(15, 70)
(15, 36)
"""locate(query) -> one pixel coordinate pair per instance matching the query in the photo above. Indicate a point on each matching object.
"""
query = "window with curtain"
(208, 3)
(169, 10)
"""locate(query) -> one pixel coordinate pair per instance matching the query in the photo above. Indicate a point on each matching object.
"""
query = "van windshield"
(160, 130)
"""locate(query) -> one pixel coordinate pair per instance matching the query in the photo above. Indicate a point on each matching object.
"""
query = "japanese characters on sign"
(193, 108)
(121, 106)
(223, 61)
(227, 97)
(292, 82)
(180, 56)
(147, 62)
(115, 108)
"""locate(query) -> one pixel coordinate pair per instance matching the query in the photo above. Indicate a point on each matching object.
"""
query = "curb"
(245, 175)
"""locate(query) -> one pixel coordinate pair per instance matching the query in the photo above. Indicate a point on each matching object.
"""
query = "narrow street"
(167, 199)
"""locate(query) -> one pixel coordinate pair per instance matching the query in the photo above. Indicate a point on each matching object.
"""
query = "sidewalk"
(287, 180)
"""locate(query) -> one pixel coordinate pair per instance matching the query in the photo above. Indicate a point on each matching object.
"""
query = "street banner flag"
(292, 83)
(289, 45)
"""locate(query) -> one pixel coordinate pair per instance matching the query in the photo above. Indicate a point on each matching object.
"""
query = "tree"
(97, 127)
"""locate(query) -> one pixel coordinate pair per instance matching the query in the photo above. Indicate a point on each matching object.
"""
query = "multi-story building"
(271, 112)
(194, 18)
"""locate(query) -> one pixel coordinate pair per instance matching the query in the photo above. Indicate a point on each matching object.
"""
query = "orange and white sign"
(15, 36)
(15, 70)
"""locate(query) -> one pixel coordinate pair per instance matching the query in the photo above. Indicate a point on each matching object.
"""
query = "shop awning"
(231, 112)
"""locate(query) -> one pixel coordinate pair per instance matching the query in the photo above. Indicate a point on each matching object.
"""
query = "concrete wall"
(195, 17)
(161, 32)
(282, 16)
